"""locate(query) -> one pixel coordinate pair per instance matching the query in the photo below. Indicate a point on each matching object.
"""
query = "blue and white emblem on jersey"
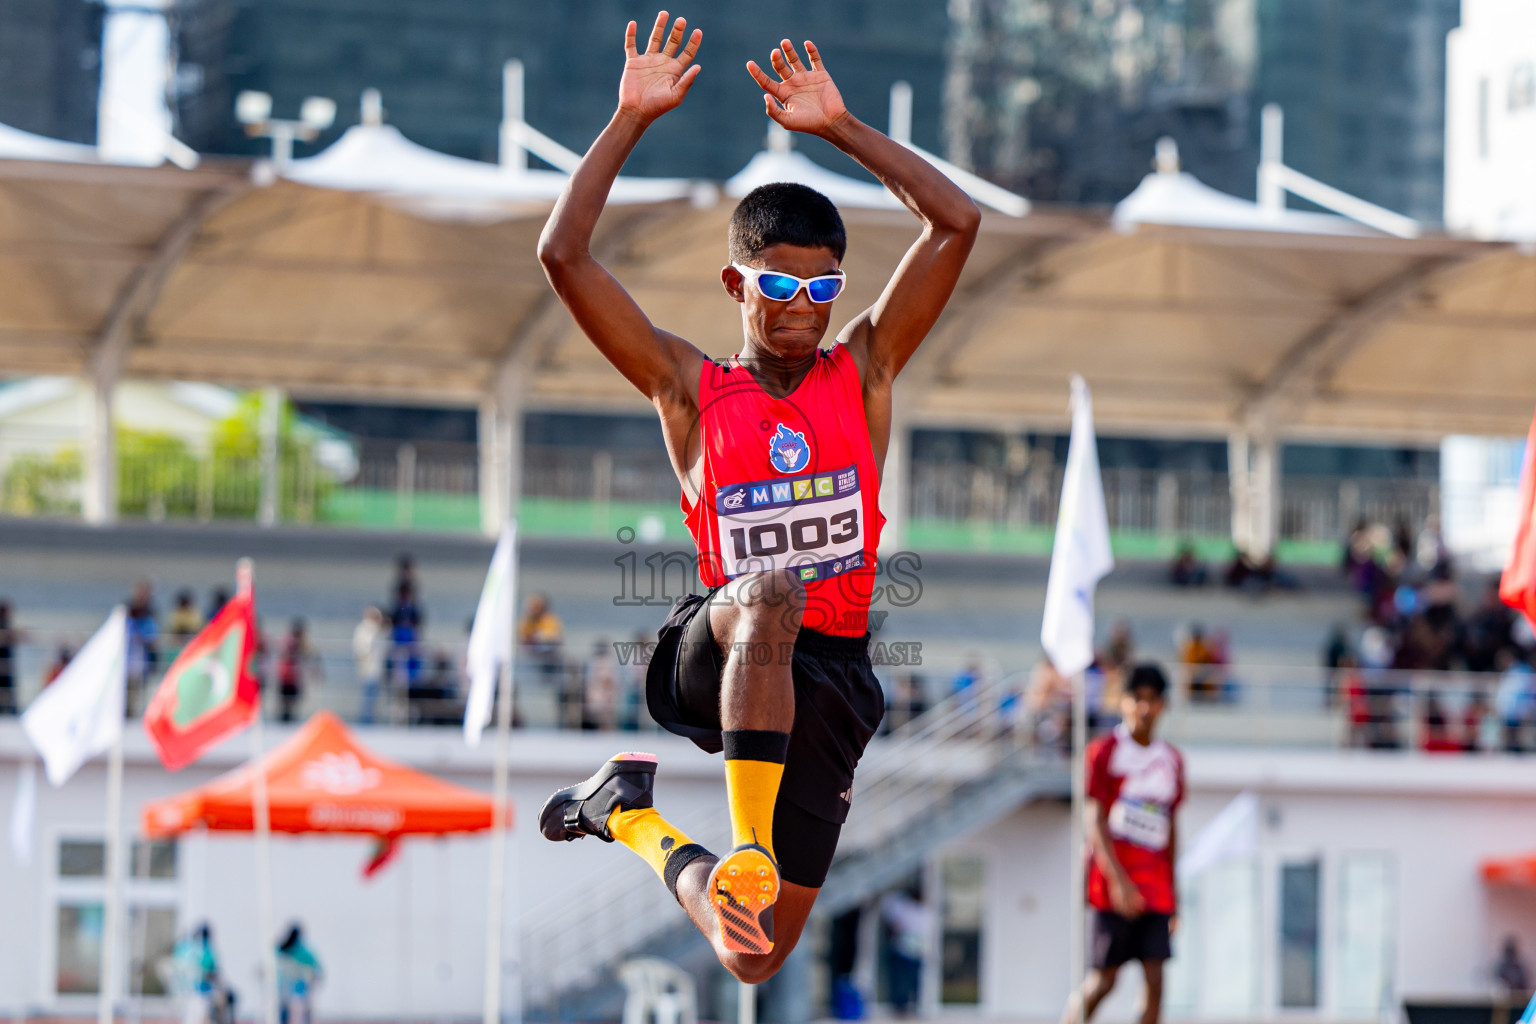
(735, 499)
(788, 451)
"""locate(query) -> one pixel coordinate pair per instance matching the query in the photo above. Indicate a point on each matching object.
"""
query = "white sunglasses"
(781, 287)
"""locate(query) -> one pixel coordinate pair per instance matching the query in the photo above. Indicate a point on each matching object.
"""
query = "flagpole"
(266, 937)
(493, 916)
(1078, 884)
(113, 906)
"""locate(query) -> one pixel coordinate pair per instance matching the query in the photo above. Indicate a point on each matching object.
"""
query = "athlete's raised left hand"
(805, 99)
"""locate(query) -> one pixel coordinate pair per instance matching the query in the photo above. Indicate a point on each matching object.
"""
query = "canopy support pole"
(266, 941)
(1253, 468)
(501, 459)
(493, 917)
(98, 500)
(112, 909)
(271, 455)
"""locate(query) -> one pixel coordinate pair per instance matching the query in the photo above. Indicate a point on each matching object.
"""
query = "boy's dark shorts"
(838, 707)
(1118, 940)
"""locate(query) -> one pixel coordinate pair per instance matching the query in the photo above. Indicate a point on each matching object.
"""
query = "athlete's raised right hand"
(657, 80)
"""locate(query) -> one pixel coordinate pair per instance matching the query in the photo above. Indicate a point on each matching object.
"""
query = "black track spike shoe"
(624, 781)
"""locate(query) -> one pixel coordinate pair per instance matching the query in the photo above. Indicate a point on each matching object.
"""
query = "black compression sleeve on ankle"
(679, 859)
(756, 745)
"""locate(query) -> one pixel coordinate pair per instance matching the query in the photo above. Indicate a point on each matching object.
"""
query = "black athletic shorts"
(838, 707)
(1118, 940)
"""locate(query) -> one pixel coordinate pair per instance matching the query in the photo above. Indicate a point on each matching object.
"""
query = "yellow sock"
(655, 839)
(754, 766)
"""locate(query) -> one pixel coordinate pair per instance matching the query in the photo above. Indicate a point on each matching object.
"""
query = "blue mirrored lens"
(777, 287)
(825, 289)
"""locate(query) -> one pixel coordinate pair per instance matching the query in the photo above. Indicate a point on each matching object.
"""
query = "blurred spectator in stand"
(964, 686)
(1479, 726)
(906, 701)
(405, 620)
(143, 642)
(1351, 689)
(1187, 570)
(216, 602)
(433, 699)
(10, 637)
(1402, 541)
(405, 572)
(1115, 661)
(600, 690)
(370, 647)
(1430, 550)
(183, 625)
(1513, 976)
(1360, 555)
(1489, 630)
(541, 635)
(1203, 675)
(298, 973)
(293, 669)
(61, 659)
(1437, 736)
(1334, 654)
(1514, 699)
(1049, 703)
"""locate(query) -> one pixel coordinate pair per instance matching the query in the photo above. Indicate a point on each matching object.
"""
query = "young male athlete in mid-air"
(779, 452)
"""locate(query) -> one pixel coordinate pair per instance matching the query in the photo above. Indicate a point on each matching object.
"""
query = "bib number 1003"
(810, 534)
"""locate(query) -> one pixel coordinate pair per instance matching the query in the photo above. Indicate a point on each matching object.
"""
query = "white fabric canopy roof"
(1179, 198)
(1181, 328)
(16, 144)
(378, 158)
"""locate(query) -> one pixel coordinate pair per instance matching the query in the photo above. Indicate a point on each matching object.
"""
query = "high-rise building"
(1064, 100)
(439, 67)
(1362, 83)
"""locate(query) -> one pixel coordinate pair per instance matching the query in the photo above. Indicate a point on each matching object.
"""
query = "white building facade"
(1490, 121)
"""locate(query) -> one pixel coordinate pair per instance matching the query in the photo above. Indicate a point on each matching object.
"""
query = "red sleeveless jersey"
(790, 483)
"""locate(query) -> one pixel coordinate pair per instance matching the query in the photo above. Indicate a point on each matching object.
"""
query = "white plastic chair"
(658, 991)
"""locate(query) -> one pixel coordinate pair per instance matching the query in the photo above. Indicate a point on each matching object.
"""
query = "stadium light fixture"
(254, 110)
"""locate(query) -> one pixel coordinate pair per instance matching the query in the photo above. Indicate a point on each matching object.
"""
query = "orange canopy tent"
(323, 780)
(1519, 870)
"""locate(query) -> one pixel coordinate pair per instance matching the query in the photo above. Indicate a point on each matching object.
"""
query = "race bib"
(812, 524)
(1141, 822)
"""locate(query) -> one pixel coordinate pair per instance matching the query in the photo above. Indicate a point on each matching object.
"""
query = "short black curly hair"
(785, 213)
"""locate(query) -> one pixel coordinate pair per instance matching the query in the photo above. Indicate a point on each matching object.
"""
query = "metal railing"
(1170, 503)
(435, 485)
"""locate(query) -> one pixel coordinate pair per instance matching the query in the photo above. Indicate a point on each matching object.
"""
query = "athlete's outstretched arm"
(883, 337)
(653, 83)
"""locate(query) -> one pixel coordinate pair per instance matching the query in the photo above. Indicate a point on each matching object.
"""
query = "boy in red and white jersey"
(1135, 786)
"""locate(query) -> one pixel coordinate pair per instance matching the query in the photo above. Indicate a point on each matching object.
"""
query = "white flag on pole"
(1080, 556)
(24, 812)
(1231, 834)
(491, 642)
(80, 714)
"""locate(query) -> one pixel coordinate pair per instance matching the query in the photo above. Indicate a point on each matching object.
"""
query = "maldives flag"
(1518, 586)
(209, 692)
